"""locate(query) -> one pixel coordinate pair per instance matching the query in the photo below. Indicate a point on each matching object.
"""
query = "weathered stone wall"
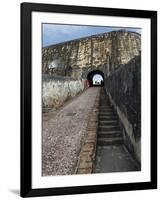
(124, 89)
(56, 90)
(76, 58)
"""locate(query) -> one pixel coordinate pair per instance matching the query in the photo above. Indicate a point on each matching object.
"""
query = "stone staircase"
(108, 128)
(111, 154)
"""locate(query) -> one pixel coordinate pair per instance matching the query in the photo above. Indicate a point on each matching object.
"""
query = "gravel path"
(63, 132)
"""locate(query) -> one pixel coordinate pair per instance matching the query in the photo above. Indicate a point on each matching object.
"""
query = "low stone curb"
(87, 154)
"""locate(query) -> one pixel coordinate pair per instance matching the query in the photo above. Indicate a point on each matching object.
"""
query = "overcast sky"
(53, 33)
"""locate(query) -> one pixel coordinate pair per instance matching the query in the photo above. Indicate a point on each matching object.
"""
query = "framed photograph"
(88, 99)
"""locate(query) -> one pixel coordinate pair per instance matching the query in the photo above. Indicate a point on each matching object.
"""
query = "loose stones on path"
(63, 134)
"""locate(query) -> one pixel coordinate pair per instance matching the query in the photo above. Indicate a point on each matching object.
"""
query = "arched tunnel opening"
(95, 78)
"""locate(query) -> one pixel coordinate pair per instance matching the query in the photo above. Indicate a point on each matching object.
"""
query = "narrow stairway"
(111, 154)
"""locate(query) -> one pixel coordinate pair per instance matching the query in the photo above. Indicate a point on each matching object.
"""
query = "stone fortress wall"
(76, 58)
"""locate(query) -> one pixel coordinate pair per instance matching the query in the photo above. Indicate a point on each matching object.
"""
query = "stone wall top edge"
(90, 37)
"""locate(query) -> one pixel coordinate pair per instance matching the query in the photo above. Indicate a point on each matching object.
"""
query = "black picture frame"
(26, 99)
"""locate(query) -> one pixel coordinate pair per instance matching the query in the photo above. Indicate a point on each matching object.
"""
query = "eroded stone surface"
(76, 58)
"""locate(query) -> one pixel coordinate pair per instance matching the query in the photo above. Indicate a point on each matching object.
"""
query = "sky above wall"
(55, 33)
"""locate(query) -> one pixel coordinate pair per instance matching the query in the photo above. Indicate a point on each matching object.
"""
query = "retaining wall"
(124, 89)
(55, 91)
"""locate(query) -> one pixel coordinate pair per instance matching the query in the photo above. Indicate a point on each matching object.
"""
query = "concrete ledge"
(87, 154)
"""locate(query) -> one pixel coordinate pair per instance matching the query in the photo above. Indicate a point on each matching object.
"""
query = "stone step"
(106, 109)
(108, 128)
(107, 134)
(108, 122)
(105, 106)
(107, 113)
(104, 117)
(109, 117)
(104, 112)
(105, 103)
(109, 141)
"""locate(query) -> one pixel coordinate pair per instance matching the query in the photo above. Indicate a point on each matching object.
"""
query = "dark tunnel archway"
(95, 78)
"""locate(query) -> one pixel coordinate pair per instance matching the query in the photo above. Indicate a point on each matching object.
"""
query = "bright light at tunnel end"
(97, 79)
